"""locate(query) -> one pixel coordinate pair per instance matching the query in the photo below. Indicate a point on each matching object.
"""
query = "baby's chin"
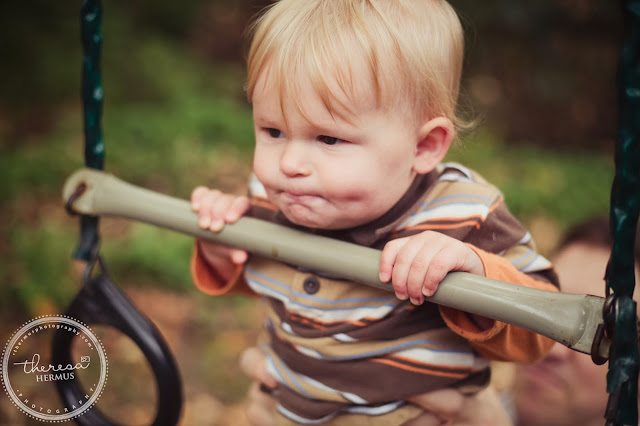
(313, 221)
(310, 223)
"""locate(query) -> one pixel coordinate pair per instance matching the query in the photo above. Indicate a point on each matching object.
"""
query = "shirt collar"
(377, 232)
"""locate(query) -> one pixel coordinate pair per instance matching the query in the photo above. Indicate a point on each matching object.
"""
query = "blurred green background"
(540, 77)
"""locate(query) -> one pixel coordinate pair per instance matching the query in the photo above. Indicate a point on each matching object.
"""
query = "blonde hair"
(411, 49)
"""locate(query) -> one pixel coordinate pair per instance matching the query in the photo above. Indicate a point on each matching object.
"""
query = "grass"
(195, 130)
(565, 187)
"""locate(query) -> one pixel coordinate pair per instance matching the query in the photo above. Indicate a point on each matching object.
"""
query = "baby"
(354, 107)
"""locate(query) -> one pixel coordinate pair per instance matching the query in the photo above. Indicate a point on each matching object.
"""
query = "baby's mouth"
(297, 195)
(298, 198)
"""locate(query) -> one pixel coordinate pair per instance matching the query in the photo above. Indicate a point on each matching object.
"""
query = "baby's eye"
(274, 133)
(329, 140)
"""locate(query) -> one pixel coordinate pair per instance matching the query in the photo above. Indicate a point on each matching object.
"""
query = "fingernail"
(426, 292)
(195, 206)
(416, 300)
(204, 222)
(384, 277)
(216, 225)
(402, 296)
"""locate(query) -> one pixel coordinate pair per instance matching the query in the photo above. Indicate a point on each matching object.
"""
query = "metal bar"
(91, 32)
(567, 318)
(624, 365)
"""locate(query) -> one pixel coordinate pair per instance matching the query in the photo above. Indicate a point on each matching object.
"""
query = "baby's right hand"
(216, 208)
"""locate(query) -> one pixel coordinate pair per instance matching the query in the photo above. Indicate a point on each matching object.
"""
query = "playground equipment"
(606, 328)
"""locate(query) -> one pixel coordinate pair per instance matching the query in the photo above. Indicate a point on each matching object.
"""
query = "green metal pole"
(621, 319)
(91, 25)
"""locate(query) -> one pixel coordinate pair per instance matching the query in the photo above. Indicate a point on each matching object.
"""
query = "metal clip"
(80, 189)
(605, 328)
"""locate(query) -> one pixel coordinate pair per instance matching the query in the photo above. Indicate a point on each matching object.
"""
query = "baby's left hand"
(416, 265)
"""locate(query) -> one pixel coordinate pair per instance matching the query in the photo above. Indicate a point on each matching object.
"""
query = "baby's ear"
(434, 140)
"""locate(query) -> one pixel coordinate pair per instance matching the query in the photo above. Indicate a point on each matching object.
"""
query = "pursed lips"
(298, 197)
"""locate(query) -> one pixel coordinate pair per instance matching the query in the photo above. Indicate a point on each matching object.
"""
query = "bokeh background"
(539, 78)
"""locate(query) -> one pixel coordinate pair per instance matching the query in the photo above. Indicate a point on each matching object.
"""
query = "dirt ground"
(206, 339)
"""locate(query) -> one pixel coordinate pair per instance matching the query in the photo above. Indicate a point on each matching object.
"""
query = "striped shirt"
(338, 347)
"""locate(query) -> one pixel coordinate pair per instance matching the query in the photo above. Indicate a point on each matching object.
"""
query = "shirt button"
(311, 285)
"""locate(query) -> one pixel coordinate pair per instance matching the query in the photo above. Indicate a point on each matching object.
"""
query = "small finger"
(416, 300)
(196, 196)
(218, 203)
(204, 220)
(216, 225)
(402, 268)
(207, 202)
(239, 257)
(239, 206)
(416, 275)
(439, 267)
(387, 258)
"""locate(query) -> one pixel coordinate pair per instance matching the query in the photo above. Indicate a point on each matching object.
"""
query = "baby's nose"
(294, 161)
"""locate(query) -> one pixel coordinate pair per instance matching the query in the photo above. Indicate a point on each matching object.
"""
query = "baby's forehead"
(346, 92)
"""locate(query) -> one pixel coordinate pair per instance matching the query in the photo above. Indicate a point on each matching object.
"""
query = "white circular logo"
(29, 377)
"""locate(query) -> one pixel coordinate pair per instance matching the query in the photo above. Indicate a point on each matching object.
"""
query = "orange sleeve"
(207, 281)
(502, 342)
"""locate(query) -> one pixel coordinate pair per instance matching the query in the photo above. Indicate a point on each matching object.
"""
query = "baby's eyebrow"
(267, 121)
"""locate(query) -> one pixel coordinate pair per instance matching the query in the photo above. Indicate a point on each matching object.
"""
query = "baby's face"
(326, 172)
